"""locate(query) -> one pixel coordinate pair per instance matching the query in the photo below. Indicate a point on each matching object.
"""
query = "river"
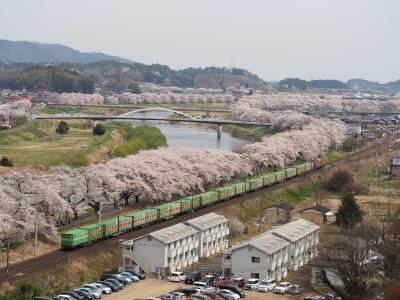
(199, 137)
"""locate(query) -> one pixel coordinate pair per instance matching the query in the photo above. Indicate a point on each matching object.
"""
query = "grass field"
(38, 145)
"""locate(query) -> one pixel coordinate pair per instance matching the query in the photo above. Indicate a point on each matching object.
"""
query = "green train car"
(74, 238)
(93, 232)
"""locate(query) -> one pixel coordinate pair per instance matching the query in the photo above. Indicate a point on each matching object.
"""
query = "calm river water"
(191, 135)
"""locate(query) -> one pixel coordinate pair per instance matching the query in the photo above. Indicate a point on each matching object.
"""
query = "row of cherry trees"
(315, 102)
(156, 175)
(130, 98)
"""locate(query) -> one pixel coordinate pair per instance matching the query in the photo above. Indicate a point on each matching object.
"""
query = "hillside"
(23, 51)
(37, 78)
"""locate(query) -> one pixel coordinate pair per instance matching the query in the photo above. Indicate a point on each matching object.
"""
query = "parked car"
(212, 295)
(74, 295)
(200, 297)
(251, 284)
(173, 296)
(209, 279)
(201, 285)
(239, 281)
(93, 289)
(87, 295)
(192, 277)
(110, 285)
(266, 285)
(189, 291)
(120, 278)
(116, 282)
(233, 288)
(315, 297)
(221, 280)
(103, 288)
(282, 287)
(295, 289)
(177, 276)
(140, 276)
(134, 278)
(65, 297)
(228, 295)
(41, 298)
(95, 294)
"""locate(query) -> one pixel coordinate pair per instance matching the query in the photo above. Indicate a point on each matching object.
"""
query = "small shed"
(394, 171)
(318, 214)
(279, 213)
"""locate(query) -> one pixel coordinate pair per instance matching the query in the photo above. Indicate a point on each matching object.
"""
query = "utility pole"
(245, 189)
(36, 237)
(118, 212)
(100, 212)
(8, 261)
(260, 220)
(284, 168)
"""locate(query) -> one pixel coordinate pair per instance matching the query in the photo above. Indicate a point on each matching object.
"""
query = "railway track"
(28, 268)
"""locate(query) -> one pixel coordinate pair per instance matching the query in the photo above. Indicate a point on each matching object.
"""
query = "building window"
(255, 275)
(255, 259)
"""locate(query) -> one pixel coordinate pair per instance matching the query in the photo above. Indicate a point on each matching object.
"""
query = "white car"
(201, 285)
(177, 277)
(228, 294)
(251, 284)
(266, 285)
(282, 287)
(94, 292)
(104, 289)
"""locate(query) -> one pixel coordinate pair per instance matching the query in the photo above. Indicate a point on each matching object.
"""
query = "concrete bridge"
(56, 105)
(127, 116)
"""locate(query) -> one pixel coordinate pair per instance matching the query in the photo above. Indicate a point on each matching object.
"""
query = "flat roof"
(295, 230)
(207, 221)
(173, 233)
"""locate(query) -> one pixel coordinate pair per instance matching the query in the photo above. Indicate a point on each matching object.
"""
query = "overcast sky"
(275, 39)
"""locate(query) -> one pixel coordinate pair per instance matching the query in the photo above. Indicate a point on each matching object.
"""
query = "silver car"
(104, 289)
(94, 292)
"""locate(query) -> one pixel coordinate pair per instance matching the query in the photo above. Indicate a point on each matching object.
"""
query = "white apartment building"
(213, 230)
(163, 251)
(265, 256)
(303, 238)
(273, 253)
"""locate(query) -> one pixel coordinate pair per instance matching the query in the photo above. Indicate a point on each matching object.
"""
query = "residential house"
(163, 251)
(213, 230)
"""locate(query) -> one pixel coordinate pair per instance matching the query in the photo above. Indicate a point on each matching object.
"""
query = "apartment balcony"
(196, 244)
(208, 239)
(179, 250)
(185, 248)
(219, 235)
(172, 253)
(279, 261)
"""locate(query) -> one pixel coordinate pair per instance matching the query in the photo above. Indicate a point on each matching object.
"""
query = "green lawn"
(37, 144)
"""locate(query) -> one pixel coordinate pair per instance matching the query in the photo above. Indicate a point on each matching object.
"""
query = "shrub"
(343, 180)
(80, 160)
(130, 147)
(23, 291)
(99, 129)
(6, 162)
(62, 128)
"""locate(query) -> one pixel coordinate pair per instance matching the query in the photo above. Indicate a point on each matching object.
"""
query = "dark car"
(118, 277)
(140, 276)
(295, 289)
(119, 284)
(187, 292)
(192, 277)
(74, 295)
(209, 279)
(87, 295)
(112, 286)
(233, 288)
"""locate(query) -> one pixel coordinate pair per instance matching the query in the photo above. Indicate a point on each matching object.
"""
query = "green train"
(91, 233)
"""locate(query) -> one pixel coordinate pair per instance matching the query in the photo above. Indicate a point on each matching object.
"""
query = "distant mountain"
(365, 85)
(30, 52)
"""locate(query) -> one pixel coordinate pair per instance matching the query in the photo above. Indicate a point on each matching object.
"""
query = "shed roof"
(320, 208)
(295, 230)
(207, 221)
(173, 233)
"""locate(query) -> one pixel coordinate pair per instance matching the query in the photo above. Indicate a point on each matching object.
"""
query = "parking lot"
(152, 287)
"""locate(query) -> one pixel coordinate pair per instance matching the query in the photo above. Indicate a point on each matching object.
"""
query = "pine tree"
(349, 212)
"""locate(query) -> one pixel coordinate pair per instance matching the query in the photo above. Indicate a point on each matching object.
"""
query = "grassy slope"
(37, 144)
